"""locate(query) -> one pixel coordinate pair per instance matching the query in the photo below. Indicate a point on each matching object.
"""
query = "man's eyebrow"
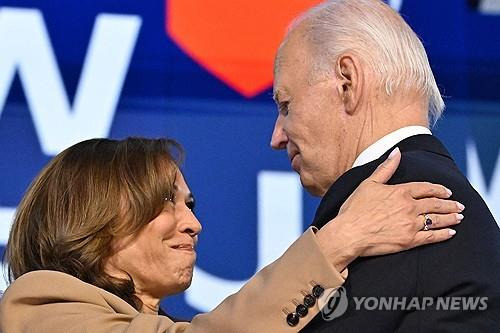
(276, 96)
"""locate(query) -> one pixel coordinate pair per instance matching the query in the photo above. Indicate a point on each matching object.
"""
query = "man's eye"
(283, 107)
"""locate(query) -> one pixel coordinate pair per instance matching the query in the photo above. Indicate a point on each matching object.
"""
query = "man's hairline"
(313, 72)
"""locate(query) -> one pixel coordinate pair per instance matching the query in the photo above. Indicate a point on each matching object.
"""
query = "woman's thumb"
(385, 170)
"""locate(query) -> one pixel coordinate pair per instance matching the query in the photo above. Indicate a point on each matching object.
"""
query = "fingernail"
(449, 191)
(452, 232)
(460, 206)
(460, 217)
(393, 153)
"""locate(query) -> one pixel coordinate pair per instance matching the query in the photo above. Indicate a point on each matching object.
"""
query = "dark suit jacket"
(466, 265)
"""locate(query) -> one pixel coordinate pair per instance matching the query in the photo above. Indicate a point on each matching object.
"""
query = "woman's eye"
(170, 199)
(190, 204)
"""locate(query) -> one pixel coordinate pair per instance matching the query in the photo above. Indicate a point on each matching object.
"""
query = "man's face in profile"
(310, 124)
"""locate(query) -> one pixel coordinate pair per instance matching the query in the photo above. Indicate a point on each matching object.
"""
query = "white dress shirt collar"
(378, 148)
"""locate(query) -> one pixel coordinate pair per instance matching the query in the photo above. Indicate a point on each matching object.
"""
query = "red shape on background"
(235, 40)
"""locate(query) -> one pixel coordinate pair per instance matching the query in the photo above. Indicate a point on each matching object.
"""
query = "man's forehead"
(287, 51)
(291, 60)
(281, 80)
(277, 85)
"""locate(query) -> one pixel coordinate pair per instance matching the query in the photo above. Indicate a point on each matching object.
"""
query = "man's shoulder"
(458, 268)
(421, 165)
(469, 255)
(424, 166)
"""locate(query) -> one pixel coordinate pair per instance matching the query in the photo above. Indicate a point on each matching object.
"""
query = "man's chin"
(310, 186)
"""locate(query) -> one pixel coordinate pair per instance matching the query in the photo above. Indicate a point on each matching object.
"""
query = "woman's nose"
(191, 225)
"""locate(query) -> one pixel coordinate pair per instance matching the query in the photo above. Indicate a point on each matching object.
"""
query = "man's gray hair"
(380, 37)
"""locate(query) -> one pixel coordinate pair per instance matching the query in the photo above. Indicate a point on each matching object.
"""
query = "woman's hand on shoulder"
(380, 219)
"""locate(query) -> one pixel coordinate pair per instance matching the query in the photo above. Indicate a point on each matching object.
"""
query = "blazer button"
(292, 319)
(317, 291)
(309, 301)
(301, 310)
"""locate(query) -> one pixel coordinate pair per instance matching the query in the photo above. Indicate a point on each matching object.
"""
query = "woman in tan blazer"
(106, 230)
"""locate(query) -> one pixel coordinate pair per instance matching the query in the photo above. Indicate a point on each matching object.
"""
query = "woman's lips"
(184, 247)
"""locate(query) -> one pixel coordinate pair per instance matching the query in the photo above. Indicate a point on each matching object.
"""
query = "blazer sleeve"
(65, 304)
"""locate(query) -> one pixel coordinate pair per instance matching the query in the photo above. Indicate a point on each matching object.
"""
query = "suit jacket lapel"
(340, 190)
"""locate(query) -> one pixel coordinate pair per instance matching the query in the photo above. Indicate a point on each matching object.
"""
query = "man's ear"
(350, 81)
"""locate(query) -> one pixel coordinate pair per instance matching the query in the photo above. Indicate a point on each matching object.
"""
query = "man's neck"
(385, 119)
(382, 145)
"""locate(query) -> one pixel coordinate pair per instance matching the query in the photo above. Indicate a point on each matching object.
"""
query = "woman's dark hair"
(87, 196)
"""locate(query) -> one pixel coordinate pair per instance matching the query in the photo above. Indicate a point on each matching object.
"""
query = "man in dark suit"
(352, 82)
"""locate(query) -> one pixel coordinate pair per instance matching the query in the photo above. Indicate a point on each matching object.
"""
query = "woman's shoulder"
(49, 301)
(46, 286)
(47, 282)
(44, 282)
(41, 277)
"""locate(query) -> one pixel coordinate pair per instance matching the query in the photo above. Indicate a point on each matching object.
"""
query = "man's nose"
(279, 138)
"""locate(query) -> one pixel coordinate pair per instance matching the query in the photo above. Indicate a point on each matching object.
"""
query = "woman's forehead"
(180, 183)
